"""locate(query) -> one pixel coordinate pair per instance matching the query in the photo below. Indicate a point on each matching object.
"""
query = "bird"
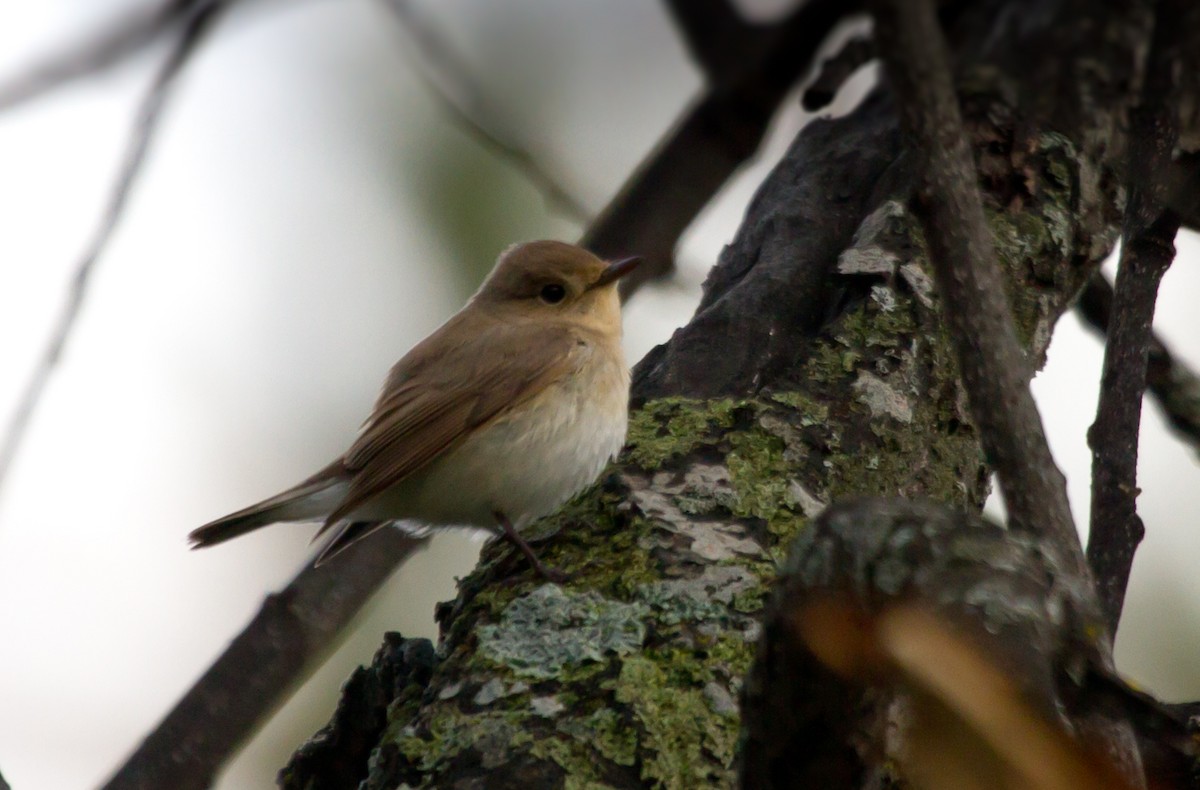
(511, 407)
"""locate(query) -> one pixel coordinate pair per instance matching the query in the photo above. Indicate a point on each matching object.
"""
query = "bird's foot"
(553, 575)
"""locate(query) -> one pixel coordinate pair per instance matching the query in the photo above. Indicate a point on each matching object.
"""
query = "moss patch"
(671, 427)
(685, 745)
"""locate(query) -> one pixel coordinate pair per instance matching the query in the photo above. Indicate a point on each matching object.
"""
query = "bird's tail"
(312, 500)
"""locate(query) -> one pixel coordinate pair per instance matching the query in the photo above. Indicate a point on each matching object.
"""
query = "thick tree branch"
(954, 634)
(1147, 250)
(293, 628)
(1174, 386)
(199, 18)
(994, 369)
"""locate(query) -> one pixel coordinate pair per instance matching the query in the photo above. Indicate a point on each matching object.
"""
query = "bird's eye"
(552, 293)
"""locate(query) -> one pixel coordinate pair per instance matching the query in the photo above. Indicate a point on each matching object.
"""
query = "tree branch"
(278, 647)
(945, 630)
(716, 136)
(995, 371)
(1116, 529)
(720, 40)
(1147, 251)
(124, 37)
(1175, 387)
(465, 103)
(199, 18)
(817, 365)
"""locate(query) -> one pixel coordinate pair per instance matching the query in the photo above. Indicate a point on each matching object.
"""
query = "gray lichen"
(549, 628)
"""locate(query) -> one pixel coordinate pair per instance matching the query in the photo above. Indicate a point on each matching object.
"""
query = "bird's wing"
(430, 404)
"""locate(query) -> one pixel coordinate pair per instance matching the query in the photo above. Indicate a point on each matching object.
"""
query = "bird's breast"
(531, 459)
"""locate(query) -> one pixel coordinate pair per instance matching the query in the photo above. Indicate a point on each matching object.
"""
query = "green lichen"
(810, 411)
(760, 477)
(548, 629)
(733, 653)
(684, 745)
(622, 566)
(572, 757)
(494, 735)
(606, 732)
(672, 427)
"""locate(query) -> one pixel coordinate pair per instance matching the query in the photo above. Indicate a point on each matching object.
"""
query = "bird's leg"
(510, 532)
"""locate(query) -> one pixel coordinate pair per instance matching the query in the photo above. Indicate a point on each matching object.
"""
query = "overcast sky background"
(306, 214)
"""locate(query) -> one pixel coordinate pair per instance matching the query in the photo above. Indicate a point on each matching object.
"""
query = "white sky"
(274, 261)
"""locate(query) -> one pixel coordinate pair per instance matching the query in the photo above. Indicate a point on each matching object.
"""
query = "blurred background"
(307, 212)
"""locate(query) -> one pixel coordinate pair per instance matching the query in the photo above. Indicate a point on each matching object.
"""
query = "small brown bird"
(498, 417)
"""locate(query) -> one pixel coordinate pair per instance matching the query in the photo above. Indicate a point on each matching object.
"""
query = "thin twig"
(123, 37)
(260, 667)
(994, 369)
(465, 103)
(1146, 252)
(199, 20)
(1174, 386)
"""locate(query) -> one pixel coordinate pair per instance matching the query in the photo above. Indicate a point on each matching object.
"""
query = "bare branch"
(123, 37)
(994, 369)
(278, 647)
(1147, 250)
(200, 17)
(716, 136)
(466, 105)
(1175, 387)
(717, 36)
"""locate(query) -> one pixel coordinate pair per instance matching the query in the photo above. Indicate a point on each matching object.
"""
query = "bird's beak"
(616, 270)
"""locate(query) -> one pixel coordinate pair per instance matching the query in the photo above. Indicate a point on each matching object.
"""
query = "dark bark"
(1146, 252)
(335, 756)
(1008, 645)
(835, 70)
(1173, 385)
(1015, 598)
